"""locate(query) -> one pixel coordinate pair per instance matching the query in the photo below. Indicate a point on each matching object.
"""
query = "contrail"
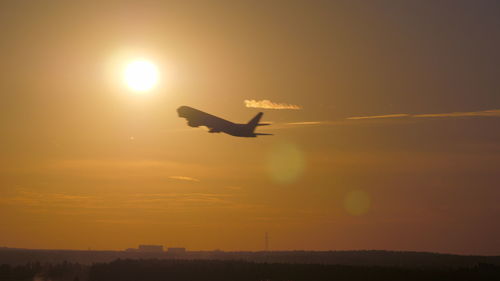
(482, 113)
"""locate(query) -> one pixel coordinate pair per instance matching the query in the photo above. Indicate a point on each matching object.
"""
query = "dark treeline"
(356, 258)
(203, 270)
(36, 271)
(216, 270)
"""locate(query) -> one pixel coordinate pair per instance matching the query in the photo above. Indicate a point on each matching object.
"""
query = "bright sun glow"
(141, 75)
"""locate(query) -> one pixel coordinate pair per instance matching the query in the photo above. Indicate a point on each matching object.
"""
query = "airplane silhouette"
(215, 124)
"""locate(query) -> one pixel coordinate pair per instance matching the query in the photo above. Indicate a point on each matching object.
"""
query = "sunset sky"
(385, 115)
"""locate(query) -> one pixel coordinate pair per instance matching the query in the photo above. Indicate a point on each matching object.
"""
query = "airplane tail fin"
(255, 121)
(252, 124)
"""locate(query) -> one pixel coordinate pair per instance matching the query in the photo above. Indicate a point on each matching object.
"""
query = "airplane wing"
(262, 134)
(198, 118)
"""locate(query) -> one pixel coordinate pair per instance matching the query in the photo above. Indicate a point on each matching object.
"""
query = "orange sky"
(392, 145)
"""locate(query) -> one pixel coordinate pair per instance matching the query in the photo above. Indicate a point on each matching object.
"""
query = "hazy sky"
(396, 144)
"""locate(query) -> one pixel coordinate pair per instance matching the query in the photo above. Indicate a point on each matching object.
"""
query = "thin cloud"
(234, 187)
(32, 199)
(267, 104)
(183, 178)
(75, 204)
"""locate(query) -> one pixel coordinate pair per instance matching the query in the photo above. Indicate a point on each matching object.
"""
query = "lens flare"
(357, 202)
(285, 163)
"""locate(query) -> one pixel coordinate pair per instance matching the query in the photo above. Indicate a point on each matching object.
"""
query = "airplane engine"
(193, 124)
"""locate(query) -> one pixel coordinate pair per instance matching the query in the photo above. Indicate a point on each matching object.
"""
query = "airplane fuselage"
(236, 130)
(197, 118)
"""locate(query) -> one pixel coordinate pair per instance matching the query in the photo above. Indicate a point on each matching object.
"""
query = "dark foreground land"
(69, 265)
(208, 270)
(355, 258)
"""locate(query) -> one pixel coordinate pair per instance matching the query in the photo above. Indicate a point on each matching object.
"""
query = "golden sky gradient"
(387, 136)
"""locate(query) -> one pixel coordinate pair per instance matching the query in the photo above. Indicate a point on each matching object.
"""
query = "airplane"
(215, 124)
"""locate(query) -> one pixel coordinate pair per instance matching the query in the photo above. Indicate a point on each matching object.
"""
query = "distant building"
(176, 250)
(150, 248)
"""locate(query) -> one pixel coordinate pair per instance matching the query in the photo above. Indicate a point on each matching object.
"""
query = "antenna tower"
(266, 242)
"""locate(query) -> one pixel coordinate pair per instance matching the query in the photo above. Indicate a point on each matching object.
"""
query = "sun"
(141, 75)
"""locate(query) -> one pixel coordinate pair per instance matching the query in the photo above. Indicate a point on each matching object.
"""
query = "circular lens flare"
(141, 75)
(285, 163)
(357, 202)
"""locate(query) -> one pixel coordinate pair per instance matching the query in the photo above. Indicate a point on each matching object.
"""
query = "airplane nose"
(181, 111)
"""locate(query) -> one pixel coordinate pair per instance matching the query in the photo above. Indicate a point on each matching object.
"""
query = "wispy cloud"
(151, 202)
(34, 199)
(184, 178)
(483, 113)
(267, 104)
(181, 198)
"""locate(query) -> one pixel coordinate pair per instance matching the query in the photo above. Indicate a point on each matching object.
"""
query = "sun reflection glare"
(141, 75)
